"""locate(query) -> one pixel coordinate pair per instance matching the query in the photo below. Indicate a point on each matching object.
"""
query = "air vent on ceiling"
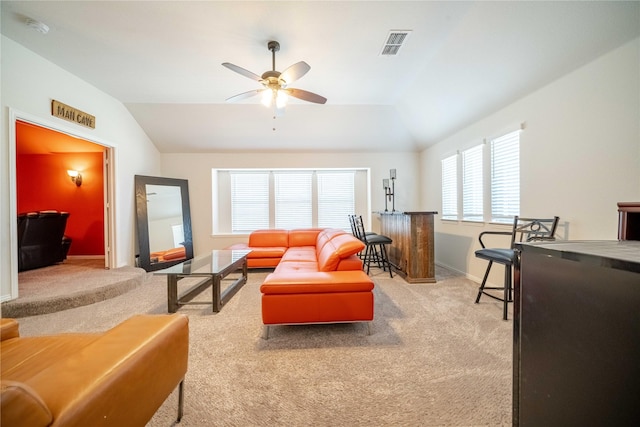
(394, 42)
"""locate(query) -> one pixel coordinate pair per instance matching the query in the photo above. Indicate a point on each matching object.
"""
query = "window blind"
(249, 201)
(245, 200)
(472, 188)
(336, 199)
(450, 187)
(293, 200)
(505, 177)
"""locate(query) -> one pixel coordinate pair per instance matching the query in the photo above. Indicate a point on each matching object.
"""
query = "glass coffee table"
(213, 268)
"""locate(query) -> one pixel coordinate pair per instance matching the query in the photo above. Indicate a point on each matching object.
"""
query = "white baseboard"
(463, 273)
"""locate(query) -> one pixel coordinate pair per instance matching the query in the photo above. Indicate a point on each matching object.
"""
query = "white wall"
(580, 155)
(29, 83)
(197, 169)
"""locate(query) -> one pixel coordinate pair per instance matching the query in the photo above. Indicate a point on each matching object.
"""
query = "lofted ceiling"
(461, 62)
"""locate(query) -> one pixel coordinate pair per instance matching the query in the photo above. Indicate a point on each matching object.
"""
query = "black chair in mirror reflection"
(523, 230)
(375, 251)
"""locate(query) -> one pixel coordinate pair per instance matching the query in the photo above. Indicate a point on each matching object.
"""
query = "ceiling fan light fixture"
(275, 97)
(281, 99)
(267, 98)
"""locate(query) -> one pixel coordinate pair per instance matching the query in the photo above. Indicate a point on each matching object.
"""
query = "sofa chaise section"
(317, 297)
(319, 279)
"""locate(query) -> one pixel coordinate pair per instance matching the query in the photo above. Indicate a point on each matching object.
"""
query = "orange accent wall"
(43, 183)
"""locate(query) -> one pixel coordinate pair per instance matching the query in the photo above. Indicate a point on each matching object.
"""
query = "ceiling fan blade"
(245, 95)
(242, 71)
(306, 95)
(294, 72)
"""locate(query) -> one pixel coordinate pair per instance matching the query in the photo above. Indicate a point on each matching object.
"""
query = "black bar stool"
(375, 246)
(524, 230)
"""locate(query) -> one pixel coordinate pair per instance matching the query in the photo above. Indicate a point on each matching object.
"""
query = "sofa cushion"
(301, 253)
(296, 267)
(339, 247)
(268, 257)
(19, 361)
(323, 237)
(269, 238)
(267, 252)
(21, 405)
(303, 237)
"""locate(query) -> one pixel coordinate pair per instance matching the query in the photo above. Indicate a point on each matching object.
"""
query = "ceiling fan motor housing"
(273, 46)
(271, 79)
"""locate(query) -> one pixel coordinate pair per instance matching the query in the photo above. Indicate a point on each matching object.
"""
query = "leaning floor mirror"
(163, 222)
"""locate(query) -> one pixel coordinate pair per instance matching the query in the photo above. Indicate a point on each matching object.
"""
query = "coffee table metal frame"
(209, 278)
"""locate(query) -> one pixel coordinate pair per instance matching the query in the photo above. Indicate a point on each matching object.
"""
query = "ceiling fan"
(276, 91)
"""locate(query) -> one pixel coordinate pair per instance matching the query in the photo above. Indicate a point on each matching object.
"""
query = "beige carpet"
(433, 359)
(73, 283)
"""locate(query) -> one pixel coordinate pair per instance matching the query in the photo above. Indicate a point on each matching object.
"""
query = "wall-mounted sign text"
(63, 111)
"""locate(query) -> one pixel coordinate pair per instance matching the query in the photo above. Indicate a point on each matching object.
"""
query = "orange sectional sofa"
(172, 254)
(318, 277)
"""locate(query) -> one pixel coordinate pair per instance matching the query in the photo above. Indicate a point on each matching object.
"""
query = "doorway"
(36, 145)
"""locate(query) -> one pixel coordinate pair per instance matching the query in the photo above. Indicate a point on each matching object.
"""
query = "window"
(336, 199)
(497, 180)
(250, 199)
(293, 204)
(505, 177)
(472, 197)
(450, 187)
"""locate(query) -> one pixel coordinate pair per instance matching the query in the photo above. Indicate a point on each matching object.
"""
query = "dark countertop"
(407, 213)
(621, 255)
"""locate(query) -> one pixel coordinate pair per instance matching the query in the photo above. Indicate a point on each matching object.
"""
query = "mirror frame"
(144, 255)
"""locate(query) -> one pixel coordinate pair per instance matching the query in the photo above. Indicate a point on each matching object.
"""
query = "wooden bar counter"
(412, 251)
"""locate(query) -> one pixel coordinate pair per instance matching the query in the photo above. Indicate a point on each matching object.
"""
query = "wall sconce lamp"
(76, 177)
(389, 191)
